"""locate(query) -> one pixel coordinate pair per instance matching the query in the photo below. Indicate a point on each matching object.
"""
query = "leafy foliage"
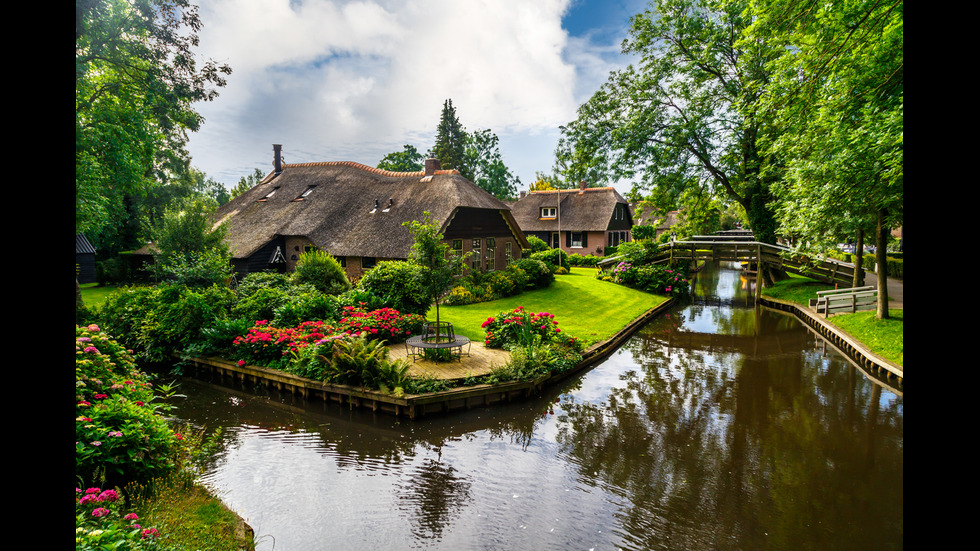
(321, 270)
(407, 160)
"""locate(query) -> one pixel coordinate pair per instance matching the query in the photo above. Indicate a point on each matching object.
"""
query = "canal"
(718, 426)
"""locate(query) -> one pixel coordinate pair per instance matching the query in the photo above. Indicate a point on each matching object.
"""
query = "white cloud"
(334, 80)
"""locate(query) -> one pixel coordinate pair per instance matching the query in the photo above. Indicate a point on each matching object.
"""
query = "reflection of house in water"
(357, 214)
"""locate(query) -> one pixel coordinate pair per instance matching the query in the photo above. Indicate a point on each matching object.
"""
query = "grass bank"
(883, 337)
(585, 307)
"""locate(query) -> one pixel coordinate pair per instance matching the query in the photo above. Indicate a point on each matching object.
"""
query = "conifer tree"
(451, 140)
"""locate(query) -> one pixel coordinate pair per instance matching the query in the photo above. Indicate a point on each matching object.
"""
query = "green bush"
(306, 305)
(125, 310)
(261, 303)
(554, 258)
(651, 278)
(399, 284)
(194, 269)
(179, 316)
(536, 244)
(539, 276)
(587, 261)
(119, 438)
(321, 270)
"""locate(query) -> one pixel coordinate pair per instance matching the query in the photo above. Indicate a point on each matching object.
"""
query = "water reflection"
(718, 426)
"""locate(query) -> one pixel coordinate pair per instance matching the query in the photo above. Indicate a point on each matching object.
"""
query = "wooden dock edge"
(867, 359)
(416, 405)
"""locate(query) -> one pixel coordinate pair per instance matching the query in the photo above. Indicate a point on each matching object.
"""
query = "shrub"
(459, 296)
(588, 261)
(270, 346)
(261, 280)
(194, 269)
(554, 258)
(123, 312)
(261, 303)
(520, 328)
(539, 276)
(386, 324)
(100, 525)
(119, 438)
(306, 305)
(536, 244)
(321, 270)
(399, 284)
(178, 317)
(652, 278)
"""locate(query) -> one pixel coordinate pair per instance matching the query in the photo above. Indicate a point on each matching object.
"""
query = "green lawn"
(883, 337)
(93, 295)
(584, 307)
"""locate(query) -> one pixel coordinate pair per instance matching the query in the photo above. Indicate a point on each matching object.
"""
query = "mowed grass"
(584, 307)
(883, 337)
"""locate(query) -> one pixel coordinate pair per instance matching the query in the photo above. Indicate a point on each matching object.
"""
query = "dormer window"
(305, 194)
(270, 194)
(548, 212)
(390, 203)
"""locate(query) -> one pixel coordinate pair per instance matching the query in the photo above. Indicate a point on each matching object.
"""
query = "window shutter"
(568, 239)
(585, 239)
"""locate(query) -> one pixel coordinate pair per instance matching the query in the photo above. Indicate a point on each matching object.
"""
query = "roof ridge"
(361, 166)
(573, 190)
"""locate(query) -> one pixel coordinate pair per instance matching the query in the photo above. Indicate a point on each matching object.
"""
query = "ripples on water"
(718, 426)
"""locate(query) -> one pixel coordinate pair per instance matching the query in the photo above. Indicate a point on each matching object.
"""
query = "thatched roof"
(589, 209)
(333, 205)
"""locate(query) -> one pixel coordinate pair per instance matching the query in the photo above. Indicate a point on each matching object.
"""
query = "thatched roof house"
(583, 221)
(357, 214)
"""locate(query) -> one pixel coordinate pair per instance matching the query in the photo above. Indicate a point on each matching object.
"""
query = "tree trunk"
(859, 261)
(882, 265)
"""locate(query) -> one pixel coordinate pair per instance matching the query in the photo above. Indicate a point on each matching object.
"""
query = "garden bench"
(416, 346)
(437, 336)
(835, 301)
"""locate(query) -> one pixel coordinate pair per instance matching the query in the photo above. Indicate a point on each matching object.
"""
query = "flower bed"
(520, 327)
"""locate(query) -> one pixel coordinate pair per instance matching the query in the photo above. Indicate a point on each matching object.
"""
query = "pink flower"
(131, 516)
(149, 532)
(100, 512)
(109, 495)
(241, 363)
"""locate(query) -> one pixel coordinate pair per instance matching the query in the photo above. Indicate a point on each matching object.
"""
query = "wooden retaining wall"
(844, 342)
(413, 406)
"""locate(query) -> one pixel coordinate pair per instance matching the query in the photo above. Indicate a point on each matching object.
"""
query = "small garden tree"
(321, 270)
(439, 265)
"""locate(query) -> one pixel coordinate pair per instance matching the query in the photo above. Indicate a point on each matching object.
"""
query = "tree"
(407, 160)
(440, 266)
(487, 167)
(136, 80)
(837, 93)
(686, 113)
(451, 141)
(246, 183)
(188, 248)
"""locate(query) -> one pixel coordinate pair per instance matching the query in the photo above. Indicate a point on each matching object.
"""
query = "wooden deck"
(480, 361)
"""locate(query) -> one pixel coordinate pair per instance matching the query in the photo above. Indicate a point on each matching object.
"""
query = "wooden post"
(758, 272)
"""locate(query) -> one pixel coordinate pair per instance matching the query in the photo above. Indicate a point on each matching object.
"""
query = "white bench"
(835, 301)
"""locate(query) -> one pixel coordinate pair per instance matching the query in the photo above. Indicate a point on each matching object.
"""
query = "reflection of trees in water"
(432, 496)
(773, 453)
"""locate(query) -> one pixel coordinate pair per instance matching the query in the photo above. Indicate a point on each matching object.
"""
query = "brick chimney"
(277, 158)
(432, 165)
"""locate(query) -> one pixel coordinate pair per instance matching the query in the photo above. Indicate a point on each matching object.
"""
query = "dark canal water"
(718, 426)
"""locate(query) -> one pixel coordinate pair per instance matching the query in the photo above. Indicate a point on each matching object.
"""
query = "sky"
(341, 80)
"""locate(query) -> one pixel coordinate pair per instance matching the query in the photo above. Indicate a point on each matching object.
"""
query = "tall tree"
(684, 112)
(439, 265)
(408, 159)
(246, 183)
(136, 80)
(487, 166)
(838, 95)
(451, 141)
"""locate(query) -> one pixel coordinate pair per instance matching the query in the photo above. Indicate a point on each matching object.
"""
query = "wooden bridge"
(741, 246)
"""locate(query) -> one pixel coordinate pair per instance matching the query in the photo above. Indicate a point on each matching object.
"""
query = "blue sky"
(339, 80)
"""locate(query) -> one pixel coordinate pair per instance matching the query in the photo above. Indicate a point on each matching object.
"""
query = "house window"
(477, 254)
(458, 247)
(548, 212)
(342, 260)
(491, 253)
(617, 237)
(508, 252)
(368, 262)
(555, 240)
(270, 194)
(577, 239)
